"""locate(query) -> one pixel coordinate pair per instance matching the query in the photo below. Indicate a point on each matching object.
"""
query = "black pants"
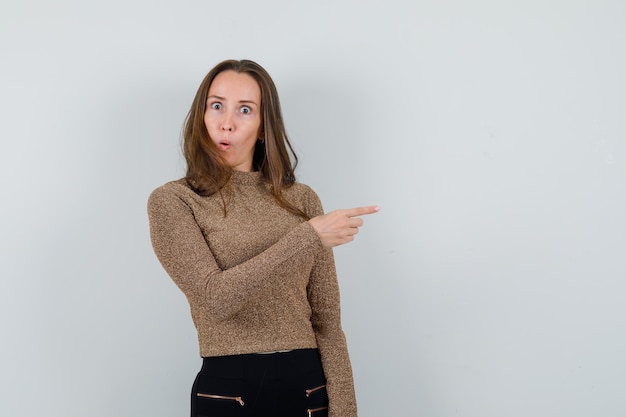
(286, 384)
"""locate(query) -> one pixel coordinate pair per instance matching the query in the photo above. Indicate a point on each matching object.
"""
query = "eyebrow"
(240, 101)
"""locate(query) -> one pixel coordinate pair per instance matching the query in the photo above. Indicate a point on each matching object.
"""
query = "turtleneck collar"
(246, 178)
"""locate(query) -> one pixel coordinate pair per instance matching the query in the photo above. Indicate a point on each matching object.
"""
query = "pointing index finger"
(360, 211)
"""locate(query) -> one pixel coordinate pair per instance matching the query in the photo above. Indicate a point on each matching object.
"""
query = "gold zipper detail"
(310, 411)
(312, 390)
(222, 397)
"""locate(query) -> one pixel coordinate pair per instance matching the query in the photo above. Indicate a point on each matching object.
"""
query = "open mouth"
(224, 145)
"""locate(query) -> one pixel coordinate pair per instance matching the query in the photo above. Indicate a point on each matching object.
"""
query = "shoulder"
(170, 191)
(300, 189)
(306, 198)
(179, 185)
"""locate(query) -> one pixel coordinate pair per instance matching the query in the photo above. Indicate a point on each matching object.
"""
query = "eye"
(245, 110)
(216, 106)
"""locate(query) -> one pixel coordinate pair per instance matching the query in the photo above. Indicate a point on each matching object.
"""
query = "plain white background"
(491, 133)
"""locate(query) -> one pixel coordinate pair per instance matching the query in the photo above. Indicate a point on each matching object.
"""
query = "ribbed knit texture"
(257, 280)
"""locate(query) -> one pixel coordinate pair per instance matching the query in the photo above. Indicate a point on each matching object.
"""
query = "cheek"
(208, 123)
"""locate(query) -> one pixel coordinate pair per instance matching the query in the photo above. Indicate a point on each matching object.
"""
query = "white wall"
(491, 133)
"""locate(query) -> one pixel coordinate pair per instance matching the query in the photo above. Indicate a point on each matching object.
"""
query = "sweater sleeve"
(185, 255)
(323, 293)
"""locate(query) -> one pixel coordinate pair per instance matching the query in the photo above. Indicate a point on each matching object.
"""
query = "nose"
(227, 123)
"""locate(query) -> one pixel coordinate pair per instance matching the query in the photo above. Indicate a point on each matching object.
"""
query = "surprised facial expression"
(233, 117)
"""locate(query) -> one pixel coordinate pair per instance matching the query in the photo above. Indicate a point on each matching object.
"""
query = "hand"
(340, 226)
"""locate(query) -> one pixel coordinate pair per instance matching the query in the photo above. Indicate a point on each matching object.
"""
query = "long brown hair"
(208, 173)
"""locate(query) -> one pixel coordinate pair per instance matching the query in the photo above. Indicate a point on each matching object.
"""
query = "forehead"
(235, 85)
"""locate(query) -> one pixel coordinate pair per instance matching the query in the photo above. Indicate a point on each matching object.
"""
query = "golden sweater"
(258, 279)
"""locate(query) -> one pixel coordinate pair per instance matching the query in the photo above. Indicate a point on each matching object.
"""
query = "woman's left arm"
(323, 294)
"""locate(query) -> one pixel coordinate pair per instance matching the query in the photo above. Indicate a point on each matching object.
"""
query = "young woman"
(251, 250)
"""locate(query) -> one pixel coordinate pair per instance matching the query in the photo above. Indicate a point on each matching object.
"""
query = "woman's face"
(233, 117)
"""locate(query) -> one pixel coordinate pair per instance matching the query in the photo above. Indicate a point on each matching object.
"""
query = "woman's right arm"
(185, 255)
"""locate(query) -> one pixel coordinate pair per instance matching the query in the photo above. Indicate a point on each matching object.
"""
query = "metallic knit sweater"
(258, 279)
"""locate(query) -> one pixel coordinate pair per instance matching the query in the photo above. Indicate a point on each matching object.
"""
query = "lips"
(224, 144)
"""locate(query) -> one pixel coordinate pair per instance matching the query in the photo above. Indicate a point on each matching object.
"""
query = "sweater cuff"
(312, 234)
